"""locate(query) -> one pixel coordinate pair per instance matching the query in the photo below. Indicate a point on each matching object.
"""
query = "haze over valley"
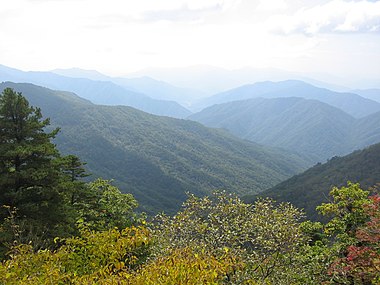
(266, 131)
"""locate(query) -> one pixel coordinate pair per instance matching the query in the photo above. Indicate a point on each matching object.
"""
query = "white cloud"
(183, 14)
(120, 36)
(186, 11)
(337, 16)
(271, 5)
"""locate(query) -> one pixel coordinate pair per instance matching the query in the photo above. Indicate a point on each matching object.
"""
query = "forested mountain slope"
(350, 103)
(314, 129)
(366, 131)
(98, 92)
(158, 159)
(311, 188)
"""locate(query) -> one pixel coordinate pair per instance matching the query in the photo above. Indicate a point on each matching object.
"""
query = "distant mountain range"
(161, 98)
(311, 188)
(155, 89)
(373, 94)
(350, 103)
(211, 79)
(312, 128)
(97, 91)
(283, 126)
(155, 158)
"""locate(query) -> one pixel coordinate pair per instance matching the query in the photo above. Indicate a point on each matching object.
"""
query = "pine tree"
(30, 170)
(73, 169)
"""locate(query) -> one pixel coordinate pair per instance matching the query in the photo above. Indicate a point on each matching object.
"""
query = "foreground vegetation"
(217, 240)
(56, 229)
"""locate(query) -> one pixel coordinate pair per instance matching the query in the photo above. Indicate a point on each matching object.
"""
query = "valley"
(158, 159)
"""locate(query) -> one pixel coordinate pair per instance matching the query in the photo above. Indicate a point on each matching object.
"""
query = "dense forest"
(309, 189)
(57, 229)
(158, 159)
(311, 127)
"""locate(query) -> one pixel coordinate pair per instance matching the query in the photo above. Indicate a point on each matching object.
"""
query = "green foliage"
(106, 207)
(185, 266)
(263, 235)
(107, 257)
(75, 191)
(26, 154)
(361, 263)
(346, 209)
(331, 255)
(73, 167)
(114, 257)
(311, 264)
(31, 196)
(42, 195)
(340, 249)
(217, 240)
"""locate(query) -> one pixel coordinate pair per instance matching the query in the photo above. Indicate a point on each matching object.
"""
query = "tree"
(105, 207)
(264, 235)
(26, 153)
(30, 171)
(362, 261)
(115, 257)
(353, 233)
(107, 257)
(347, 213)
(73, 167)
(75, 189)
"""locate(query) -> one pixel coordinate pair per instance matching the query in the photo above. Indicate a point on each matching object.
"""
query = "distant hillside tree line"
(158, 159)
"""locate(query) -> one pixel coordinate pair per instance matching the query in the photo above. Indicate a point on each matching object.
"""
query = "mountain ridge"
(153, 88)
(98, 92)
(350, 103)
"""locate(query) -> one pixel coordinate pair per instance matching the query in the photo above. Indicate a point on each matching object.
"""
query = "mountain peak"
(76, 72)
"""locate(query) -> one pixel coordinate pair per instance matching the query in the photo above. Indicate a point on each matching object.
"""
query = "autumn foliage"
(362, 261)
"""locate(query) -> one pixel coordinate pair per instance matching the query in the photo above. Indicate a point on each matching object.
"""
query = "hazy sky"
(120, 36)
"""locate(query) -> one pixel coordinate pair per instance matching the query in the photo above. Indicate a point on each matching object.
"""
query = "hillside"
(314, 129)
(312, 187)
(158, 159)
(98, 92)
(366, 131)
(350, 103)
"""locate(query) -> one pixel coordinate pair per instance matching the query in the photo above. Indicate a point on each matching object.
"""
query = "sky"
(118, 37)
